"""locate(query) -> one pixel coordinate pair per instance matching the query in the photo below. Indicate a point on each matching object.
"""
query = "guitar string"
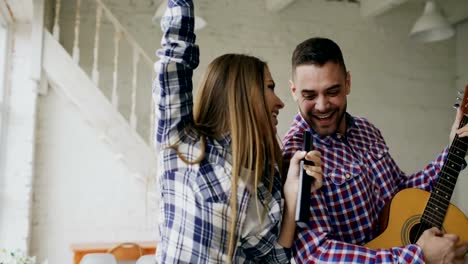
(435, 214)
(460, 145)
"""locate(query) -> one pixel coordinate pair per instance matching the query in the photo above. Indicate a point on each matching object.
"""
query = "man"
(360, 176)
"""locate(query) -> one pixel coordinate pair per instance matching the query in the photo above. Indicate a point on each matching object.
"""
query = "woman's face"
(273, 102)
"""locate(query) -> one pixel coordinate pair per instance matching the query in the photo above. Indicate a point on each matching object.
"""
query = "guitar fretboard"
(439, 199)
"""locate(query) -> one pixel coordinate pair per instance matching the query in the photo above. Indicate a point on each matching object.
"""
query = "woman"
(221, 190)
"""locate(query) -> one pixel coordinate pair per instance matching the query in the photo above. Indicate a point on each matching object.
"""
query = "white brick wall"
(461, 196)
(16, 182)
(83, 192)
(405, 88)
(390, 72)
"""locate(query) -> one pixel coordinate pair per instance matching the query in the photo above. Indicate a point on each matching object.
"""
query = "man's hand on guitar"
(461, 253)
(462, 110)
(441, 248)
(456, 129)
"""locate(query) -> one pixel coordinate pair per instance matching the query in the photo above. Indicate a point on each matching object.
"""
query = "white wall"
(405, 88)
(462, 55)
(461, 196)
(18, 173)
(83, 193)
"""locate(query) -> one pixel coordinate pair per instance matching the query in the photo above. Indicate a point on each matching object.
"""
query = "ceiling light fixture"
(432, 25)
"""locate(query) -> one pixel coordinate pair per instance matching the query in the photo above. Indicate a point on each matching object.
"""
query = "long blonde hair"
(231, 100)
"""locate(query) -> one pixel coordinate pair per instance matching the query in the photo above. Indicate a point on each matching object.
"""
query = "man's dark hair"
(317, 51)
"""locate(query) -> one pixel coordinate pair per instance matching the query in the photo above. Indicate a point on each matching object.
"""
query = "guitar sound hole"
(416, 231)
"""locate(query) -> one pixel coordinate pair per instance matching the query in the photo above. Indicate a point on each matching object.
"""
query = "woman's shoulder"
(199, 164)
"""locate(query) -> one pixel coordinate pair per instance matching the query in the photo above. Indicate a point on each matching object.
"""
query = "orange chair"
(126, 251)
(98, 258)
(146, 259)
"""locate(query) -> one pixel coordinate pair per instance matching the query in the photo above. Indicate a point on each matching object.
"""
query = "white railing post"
(115, 96)
(76, 48)
(127, 35)
(95, 75)
(152, 123)
(136, 59)
(120, 34)
(56, 29)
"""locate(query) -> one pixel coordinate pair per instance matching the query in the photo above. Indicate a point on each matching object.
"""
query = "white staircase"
(119, 126)
(63, 73)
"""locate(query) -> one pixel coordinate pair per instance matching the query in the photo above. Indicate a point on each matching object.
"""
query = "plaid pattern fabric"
(195, 211)
(360, 177)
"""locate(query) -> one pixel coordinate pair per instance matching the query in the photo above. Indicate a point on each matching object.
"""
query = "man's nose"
(321, 104)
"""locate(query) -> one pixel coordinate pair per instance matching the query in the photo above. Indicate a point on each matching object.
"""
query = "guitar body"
(403, 221)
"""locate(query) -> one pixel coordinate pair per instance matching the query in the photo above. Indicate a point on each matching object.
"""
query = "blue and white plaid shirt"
(195, 199)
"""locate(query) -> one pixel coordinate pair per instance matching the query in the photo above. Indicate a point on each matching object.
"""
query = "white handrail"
(138, 53)
(96, 45)
(115, 96)
(56, 29)
(133, 117)
(120, 34)
(127, 35)
(76, 49)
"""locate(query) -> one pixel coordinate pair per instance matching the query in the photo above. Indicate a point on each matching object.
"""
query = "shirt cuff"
(408, 254)
(282, 253)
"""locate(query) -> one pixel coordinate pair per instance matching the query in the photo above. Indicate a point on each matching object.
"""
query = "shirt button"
(348, 176)
(338, 136)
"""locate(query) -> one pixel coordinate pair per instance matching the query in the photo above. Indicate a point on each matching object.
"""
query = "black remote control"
(305, 183)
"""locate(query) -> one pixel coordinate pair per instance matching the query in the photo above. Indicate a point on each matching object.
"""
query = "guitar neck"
(439, 200)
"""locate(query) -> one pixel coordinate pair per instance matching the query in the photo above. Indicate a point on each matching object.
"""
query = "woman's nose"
(280, 103)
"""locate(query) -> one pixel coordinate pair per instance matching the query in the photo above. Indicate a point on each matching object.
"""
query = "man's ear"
(348, 83)
(292, 87)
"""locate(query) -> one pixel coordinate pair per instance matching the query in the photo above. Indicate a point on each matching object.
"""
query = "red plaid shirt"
(360, 177)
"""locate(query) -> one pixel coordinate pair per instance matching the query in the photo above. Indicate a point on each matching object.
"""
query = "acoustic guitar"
(412, 211)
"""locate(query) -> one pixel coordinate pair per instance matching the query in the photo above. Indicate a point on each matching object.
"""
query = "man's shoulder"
(294, 134)
(363, 123)
(292, 141)
(298, 126)
(366, 129)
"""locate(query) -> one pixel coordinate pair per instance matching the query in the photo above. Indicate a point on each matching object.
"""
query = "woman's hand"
(291, 186)
(290, 189)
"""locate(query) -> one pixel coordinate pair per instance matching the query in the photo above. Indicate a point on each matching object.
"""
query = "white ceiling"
(455, 10)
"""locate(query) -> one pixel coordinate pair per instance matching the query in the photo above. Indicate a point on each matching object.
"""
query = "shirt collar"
(225, 140)
(350, 125)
